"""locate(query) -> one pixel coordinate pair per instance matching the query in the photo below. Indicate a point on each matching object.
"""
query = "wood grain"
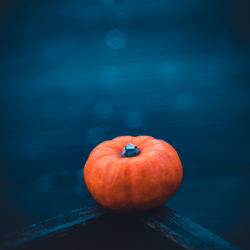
(53, 228)
(183, 231)
(175, 228)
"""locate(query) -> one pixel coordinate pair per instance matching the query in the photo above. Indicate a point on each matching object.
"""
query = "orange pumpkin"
(129, 174)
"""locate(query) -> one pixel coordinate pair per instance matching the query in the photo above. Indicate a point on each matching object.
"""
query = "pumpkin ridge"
(105, 175)
(158, 169)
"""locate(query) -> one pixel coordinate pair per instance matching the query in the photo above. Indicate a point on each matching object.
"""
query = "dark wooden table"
(96, 228)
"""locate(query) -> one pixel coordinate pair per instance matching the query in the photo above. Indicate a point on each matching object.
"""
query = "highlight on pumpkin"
(130, 174)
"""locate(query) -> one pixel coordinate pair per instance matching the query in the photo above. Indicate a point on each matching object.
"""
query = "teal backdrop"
(76, 73)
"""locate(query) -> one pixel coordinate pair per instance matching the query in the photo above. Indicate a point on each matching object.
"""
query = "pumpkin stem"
(130, 150)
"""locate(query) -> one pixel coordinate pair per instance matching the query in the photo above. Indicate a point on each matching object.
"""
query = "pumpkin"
(129, 174)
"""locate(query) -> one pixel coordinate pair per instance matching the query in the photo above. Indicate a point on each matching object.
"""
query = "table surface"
(75, 73)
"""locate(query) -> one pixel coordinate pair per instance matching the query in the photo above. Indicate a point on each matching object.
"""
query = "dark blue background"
(75, 73)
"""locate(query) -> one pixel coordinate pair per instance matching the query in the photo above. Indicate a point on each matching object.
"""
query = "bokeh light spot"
(183, 101)
(116, 39)
(102, 109)
(95, 134)
(58, 180)
(169, 70)
(110, 74)
(106, 1)
(121, 17)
